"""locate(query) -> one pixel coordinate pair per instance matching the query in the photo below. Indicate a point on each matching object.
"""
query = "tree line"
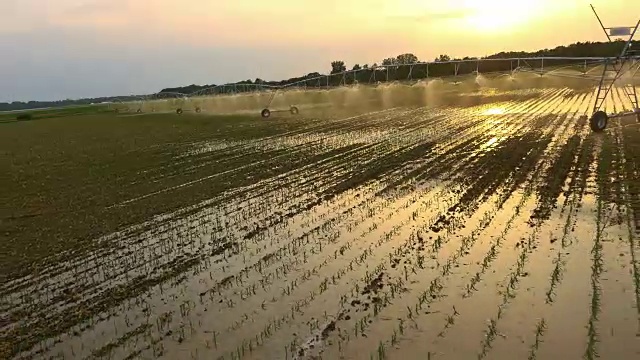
(26, 105)
(394, 69)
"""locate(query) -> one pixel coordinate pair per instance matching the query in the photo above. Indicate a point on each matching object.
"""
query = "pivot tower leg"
(614, 68)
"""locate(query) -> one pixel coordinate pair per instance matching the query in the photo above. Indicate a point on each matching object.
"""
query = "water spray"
(226, 98)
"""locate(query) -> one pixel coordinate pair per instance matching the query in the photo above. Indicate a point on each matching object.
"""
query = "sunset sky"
(56, 49)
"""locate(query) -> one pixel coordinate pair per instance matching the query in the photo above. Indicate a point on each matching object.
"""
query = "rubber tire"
(598, 121)
(265, 113)
(294, 110)
(139, 111)
(179, 111)
(198, 110)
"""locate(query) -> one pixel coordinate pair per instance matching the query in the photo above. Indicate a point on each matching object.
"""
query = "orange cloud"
(447, 26)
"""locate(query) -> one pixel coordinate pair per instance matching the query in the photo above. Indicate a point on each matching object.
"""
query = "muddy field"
(501, 229)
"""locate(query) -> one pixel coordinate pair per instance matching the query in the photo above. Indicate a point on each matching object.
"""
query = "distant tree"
(406, 59)
(365, 66)
(443, 58)
(338, 67)
(390, 61)
(356, 67)
(258, 81)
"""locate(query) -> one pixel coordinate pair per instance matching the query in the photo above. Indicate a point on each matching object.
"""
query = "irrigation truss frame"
(583, 69)
(627, 62)
(613, 71)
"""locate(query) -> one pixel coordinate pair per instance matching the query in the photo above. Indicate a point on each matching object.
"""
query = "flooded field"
(501, 229)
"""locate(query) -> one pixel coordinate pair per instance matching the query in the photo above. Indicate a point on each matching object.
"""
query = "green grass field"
(68, 168)
(10, 116)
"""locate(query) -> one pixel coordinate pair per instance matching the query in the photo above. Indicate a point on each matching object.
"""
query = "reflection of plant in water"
(556, 277)
(436, 285)
(627, 167)
(591, 351)
(493, 250)
(489, 336)
(540, 330)
(381, 351)
(451, 318)
(509, 291)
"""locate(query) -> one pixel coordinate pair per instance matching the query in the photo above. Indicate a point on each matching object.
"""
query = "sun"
(498, 15)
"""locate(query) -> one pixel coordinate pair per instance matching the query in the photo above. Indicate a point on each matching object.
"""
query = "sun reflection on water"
(494, 111)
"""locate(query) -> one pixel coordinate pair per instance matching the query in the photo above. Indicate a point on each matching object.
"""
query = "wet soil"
(500, 229)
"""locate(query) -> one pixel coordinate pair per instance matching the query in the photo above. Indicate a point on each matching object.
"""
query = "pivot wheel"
(265, 113)
(598, 121)
(198, 109)
(179, 111)
(294, 110)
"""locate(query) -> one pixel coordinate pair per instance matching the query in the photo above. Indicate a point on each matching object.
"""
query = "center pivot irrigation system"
(614, 69)
(618, 71)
